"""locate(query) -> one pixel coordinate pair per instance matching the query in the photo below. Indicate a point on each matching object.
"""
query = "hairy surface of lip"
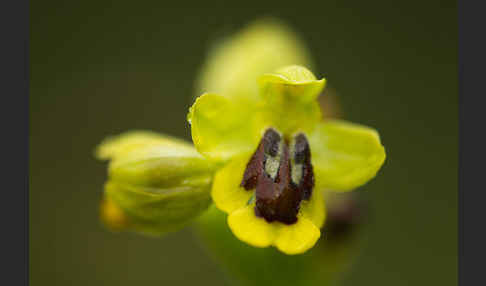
(282, 175)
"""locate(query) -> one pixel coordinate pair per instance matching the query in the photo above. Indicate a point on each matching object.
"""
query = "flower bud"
(156, 184)
(152, 211)
(158, 166)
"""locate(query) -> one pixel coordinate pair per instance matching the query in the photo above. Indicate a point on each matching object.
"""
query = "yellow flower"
(278, 157)
(262, 152)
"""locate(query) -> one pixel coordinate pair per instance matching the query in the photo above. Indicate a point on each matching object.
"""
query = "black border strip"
(472, 142)
(14, 118)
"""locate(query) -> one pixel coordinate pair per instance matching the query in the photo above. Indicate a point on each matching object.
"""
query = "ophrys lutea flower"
(277, 157)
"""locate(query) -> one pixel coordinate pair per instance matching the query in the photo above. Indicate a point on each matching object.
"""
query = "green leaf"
(345, 155)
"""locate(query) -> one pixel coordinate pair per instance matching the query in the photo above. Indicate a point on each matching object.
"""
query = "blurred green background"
(104, 67)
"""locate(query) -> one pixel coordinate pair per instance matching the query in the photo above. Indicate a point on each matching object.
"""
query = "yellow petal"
(112, 215)
(297, 238)
(294, 83)
(247, 227)
(226, 192)
(345, 155)
(161, 166)
(314, 209)
(232, 66)
(116, 146)
(290, 239)
(222, 128)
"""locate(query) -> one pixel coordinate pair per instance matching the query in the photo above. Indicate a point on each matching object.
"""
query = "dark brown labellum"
(282, 176)
(302, 159)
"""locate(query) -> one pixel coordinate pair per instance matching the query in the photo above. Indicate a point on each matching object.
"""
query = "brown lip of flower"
(282, 175)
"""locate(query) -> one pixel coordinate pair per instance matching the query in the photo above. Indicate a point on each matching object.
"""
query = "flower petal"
(156, 183)
(153, 211)
(226, 192)
(289, 97)
(294, 82)
(247, 227)
(345, 155)
(161, 166)
(298, 237)
(289, 118)
(233, 65)
(222, 128)
(314, 209)
(115, 146)
(290, 239)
